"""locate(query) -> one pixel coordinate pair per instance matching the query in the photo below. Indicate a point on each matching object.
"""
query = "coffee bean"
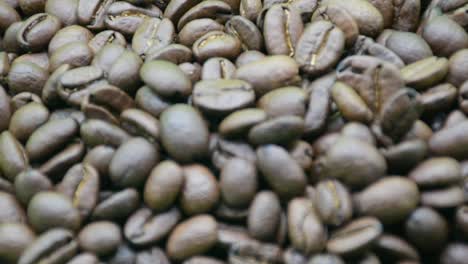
(391, 190)
(264, 216)
(304, 223)
(117, 206)
(48, 210)
(355, 237)
(201, 229)
(15, 238)
(143, 227)
(281, 171)
(100, 238)
(184, 133)
(137, 153)
(426, 229)
(56, 245)
(200, 192)
(163, 185)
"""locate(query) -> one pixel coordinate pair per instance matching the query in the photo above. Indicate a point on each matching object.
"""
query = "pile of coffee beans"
(233, 131)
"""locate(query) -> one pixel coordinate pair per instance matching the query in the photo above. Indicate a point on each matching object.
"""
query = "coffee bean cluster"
(233, 131)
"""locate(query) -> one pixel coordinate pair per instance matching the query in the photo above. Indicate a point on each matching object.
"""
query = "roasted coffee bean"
(64, 10)
(49, 137)
(34, 82)
(194, 236)
(151, 102)
(143, 227)
(192, 70)
(48, 210)
(405, 155)
(200, 192)
(10, 42)
(30, 182)
(174, 53)
(217, 68)
(176, 83)
(123, 254)
(246, 31)
(410, 47)
(438, 98)
(278, 130)
(318, 104)
(13, 157)
(216, 44)
(75, 54)
(282, 27)
(63, 160)
(100, 238)
(222, 96)
(393, 247)
(164, 185)
(75, 84)
(359, 167)
(426, 229)
(11, 212)
(401, 16)
(390, 199)
(269, 73)
(448, 197)
(117, 206)
(137, 153)
(325, 258)
(319, 47)
(341, 18)
(93, 13)
(436, 35)
(125, 18)
(40, 59)
(222, 150)
(350, 104)
(249, 56)
(14, 239)
(367, 46)
(205, 9)
(57, 245)
(239, 122)
(36, 32)
(355, 237)
(284, 101)
(454, 253)
(281, 171)
(184, 133)
(374, 79)
(153, 33)
(97, 132)
(81, 185)
(152, 255)
(264, 216)
(370, 23)
(84, 258)
(104, 38)
(436, 172)
(425, 73)
(448, 141)
(106, 102)
(238, 182)
(27, 119)
(333, 202)
(8, 16)
(306, 232)
(250, 9)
